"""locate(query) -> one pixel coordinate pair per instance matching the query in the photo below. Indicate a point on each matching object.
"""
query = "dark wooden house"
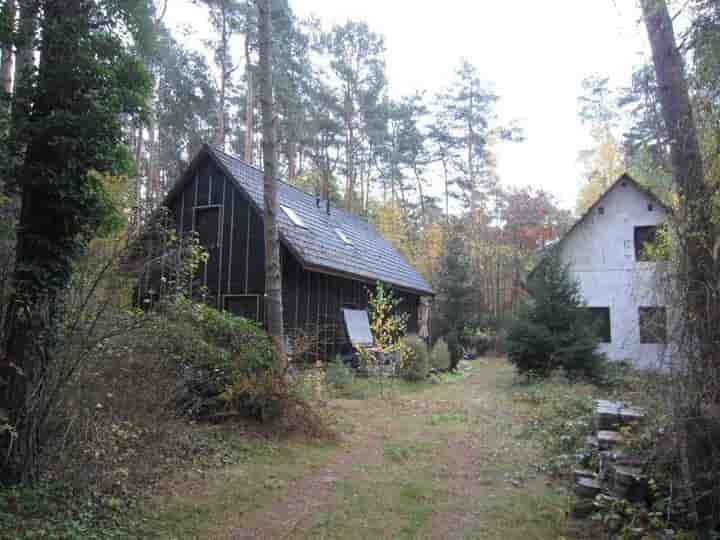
(330, 258)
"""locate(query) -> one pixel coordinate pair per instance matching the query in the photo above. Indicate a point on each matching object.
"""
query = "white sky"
(534, 53)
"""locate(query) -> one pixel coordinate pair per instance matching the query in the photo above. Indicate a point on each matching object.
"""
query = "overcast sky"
(534, 54)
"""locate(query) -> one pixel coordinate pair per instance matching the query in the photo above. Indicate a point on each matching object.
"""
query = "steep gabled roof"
(318, 245)
(627, 179)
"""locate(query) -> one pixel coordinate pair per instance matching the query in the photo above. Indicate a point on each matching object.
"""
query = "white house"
(624, 290)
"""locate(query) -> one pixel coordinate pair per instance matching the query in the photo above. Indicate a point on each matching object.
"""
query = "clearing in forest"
(447, 461)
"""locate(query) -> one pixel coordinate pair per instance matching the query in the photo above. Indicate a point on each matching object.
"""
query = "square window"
(644, 236)
(600, 317)
(245, 305)
(207, 225)
(653, 324)
(344, 237)
(297, 220)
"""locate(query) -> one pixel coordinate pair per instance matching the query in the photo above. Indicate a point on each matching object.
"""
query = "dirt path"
(446, 462)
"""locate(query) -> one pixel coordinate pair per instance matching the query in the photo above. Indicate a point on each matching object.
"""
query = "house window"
(207, 225)
(244, 305)
(297, 220)
(344, 237)
(653, 324)
(644, 236)
(601, 210)
(600, 317)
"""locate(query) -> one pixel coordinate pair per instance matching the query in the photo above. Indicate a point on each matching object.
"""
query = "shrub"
(387, 322)
(216, 354)
(414, 359)
(339, 376)
(554, 330)
(440, 355)
(455, 347)
(560, 418)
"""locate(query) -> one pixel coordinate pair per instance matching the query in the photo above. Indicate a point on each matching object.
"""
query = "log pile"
(616, 472)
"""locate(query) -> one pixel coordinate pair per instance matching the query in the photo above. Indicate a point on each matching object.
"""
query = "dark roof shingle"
(318, 244)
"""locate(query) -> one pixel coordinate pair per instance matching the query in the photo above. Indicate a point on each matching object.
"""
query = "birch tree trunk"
(273, 275)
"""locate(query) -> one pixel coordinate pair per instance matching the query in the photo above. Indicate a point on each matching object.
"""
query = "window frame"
(208, 207)
(594, 312)
(640, 242)
(256, 297)
(645, 317)
(344, 237)
(293, 216)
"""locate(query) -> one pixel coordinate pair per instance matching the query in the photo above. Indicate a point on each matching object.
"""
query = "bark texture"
(273, 275)
(42, 268)
(7, 63)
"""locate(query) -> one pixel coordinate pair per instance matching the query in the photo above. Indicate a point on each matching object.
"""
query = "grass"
(402, 452)
(451, 417)
(443, 459)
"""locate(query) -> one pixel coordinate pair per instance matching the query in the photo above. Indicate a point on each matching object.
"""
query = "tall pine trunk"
(249, 100)
(698, 272)
(273, 275)
(7, 62)
(224, 44)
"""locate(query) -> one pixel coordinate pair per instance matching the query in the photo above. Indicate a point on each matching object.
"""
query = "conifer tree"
(554, 330)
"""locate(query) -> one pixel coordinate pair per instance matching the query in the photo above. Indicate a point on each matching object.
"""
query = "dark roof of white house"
(318, 242)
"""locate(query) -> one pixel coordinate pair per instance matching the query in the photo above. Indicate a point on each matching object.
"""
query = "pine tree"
(554, 330)
(454, 294)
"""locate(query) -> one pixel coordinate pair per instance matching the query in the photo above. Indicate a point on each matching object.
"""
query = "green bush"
(415, 360)
(561, 417)
(214, 352)
(440, 355)
(339, 376)
(455, 346)
(554, 330)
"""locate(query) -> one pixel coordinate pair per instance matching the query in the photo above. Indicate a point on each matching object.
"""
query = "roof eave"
(366, 279)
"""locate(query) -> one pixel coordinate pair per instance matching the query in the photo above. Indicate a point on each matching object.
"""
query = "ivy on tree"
(70, 139)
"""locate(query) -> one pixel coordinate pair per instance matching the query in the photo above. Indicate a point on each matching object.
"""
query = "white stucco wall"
(601, 254)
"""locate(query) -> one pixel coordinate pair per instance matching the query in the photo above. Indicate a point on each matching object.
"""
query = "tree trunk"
(687, 164)
(249, 101)
(43, 266)
(9, 13)
(291, 159)
(25, 43)
(220, 134)
(697, 265)
(273, 275)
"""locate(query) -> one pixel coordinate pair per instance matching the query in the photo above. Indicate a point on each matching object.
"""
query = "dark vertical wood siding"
(312, 301)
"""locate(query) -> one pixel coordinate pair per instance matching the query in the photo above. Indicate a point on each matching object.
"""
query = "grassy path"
(445, 462)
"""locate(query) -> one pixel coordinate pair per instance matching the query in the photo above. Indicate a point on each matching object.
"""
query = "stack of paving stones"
(618, 473)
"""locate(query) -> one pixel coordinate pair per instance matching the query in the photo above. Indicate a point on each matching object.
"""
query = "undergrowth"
(561, 417)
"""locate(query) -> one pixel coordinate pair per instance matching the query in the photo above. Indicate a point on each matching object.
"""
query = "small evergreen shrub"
(554, 330)
(339, 376)
(440, 355)
(455, 346)
(414, 359)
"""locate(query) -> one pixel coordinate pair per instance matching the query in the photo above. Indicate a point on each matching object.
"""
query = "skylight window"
(344, 237)
(297, 220)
